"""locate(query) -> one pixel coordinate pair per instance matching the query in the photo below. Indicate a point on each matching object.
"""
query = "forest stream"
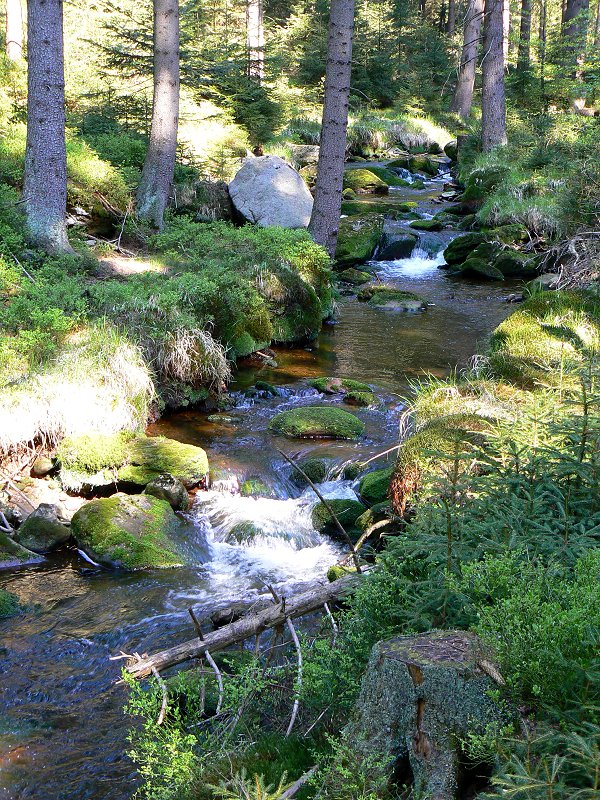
(63, 732)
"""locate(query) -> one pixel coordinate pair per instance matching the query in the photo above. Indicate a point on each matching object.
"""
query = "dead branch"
(165, 697)
(296, 705)
(295, 787)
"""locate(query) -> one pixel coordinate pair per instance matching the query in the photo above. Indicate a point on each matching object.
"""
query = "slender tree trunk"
(255, 39)
(505, 30)
(597, 30)
(523, 58)
(157, 175)
(14, 30)
(451, 21)
(463, 94)
(325, 218)
(493, 103)
(575, 30)
(542, 49)
(45, 179)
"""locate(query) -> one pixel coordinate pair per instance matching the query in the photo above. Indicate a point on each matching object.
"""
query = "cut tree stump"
(420, 697)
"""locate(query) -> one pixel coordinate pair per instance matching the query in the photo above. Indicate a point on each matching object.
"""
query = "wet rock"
(460, 248)
(380, 512)
(374, 487)
(480, 268)
(427, 225)
(423, 163)
(93, 460)
(339, 385)
(347, 512)
(363, 399)
(420, 697)
(397, 245)
(42, 531)
(388, 297)
(243, 533)
(12, 554)
(12, 515)
(373, 205)
(356, 277)
(129, 532)
(42, 466)
(363, 181)
(168, 487)
(358, 239)
(317, 422)
(317, 469)
(451, 150)
(256, 487)
(267, 191)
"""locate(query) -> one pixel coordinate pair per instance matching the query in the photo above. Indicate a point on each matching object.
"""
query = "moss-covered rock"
(337, 571)
(514, 264)
(451, 149)
(427, 224)
(374, 487)
(243, 533)
(358, 239)
(339, 385)
(423, 163)
(479, 268)
(254, 486)
(397, 245)
(317, 422)
(99, 459)
(317, 469)
(359, 398)
(371, 205)
(129, 532)
(384, 296)
(461, 248)
(481, 182)
(9, 604)
(347, 512)
(354, 276)
(168, 487)
(12, 554)
(363, 181)
(380, 512)
(389, 176)
(42, 531)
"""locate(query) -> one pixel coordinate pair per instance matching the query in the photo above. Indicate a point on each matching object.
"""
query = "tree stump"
(420, 697)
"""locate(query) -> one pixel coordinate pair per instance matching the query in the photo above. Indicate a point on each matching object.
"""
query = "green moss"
(338, 571)
(422, 163)
(374, 487)
(384, 296)
(480, 268)
(317, 469)
(481, 182)
(103, 459)
(388, 207)
(243, 533)
(358, 239)
(347, 512)
(9, 604)
(334, 385)
(460, 248)
(359, 398)
(256, 487)
(427, 225)
(317, 422)
(354, 276)
(13, 554)
(128, 532)
(377, 513)
(388, 176)
(364, 181)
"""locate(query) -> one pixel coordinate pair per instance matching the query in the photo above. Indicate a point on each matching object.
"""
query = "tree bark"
(14, 30)
(524, 54)
(597, 30)
(157, 175)
(463, 94)
(493, 102)
(575, 30)
(255, 39)
(45, 178)
(505, 30)
(248, 626)
(325, 218)
(451, 21)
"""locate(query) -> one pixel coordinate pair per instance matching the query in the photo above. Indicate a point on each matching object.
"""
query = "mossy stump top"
(317, 422)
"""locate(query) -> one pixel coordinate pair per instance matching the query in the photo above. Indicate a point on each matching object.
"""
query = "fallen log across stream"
(247, 626)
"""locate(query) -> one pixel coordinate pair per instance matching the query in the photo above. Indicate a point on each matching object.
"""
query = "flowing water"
(62, 731)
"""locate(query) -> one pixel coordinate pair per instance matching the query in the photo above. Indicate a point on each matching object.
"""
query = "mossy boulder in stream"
(461, 248)
(316, 469)
(347, 512)
(168, 487)
(317, 422)
(12, 554)
(398, 244)
(42, 531)
(388, 206)
(421, 697)
(100, 459)
(339, 385)
(381, 295)
(128, 532)
(427, 224)
(358, 239)
(374, 487)
(356, 277)
(363, 181)
(423, 163)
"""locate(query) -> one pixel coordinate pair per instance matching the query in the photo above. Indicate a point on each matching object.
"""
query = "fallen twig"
(296, 705)
(165, 697)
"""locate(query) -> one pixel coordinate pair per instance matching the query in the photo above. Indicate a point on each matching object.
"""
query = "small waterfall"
(418, 264)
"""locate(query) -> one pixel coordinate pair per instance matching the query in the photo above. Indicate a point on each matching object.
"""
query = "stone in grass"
(129, 532)
(384, 296)
(317, 422)
(427, 224)
(98, 459)
(12, 554)
(168, 487)
(317, 469)
(354, 276)
(421, 697)
(347, 512)
(375, 485)
(42, 531)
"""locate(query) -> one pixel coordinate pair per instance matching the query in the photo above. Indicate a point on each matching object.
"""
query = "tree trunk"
(255, 39)
(463, 94)
(14, 30)
(493, 103)
(542, 49)
(575, 33)
(157, 175)
(523, 57)
(451, 21)
(45, 178)
(325, 218)
(597, 31)
(505, 30)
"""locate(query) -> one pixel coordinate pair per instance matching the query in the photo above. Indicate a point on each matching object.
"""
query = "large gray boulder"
(267, 191)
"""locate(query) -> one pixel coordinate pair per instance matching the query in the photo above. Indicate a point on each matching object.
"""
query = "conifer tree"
(463, 93)
(493, 102)
(14, 30)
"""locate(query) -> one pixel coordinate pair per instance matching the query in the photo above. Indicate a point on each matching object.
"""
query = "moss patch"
(317, 422)
(358, 239)
(335, 385)
(427, 224)
(104, 459)
(128, 532)
(347, 512)
(316, 469)
(12, 554)
(383, 296)
(388, 207)
(354, 276)
(374, 487)
(9, 604)
(364, 181)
